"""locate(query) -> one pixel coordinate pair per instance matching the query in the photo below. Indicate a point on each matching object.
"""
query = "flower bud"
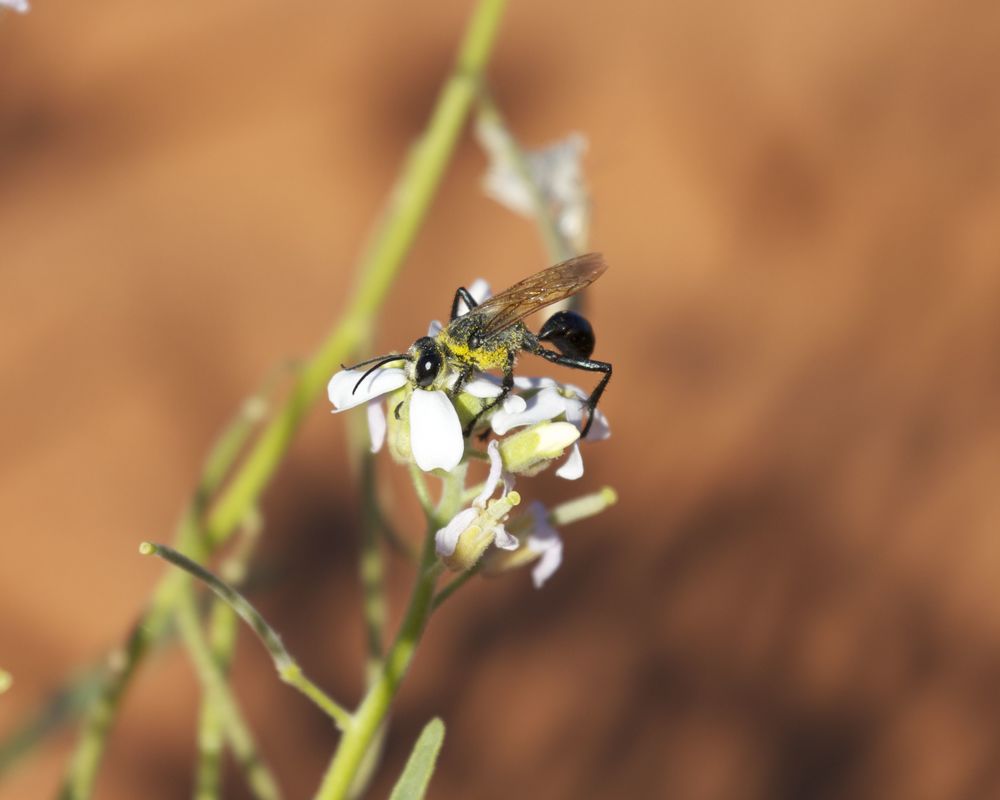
(530, 451)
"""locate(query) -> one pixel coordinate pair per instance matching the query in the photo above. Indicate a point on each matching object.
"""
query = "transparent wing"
(537, 291)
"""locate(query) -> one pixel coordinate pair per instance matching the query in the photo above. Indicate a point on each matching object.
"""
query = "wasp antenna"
(383, 359)
(379, 361)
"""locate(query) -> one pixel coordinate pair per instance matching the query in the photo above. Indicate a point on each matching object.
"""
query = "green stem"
(371, 569)
(371, 714)
(404, 214)
(153, 623)
(286, 666)
(455, 584)
(259, 777)
(208, 768)
(223, 625)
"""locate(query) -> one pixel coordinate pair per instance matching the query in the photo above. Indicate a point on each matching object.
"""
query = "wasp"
(492, 334)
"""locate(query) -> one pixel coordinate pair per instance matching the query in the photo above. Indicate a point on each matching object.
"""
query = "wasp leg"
(505, 387)
(588, 364)
(463, 295)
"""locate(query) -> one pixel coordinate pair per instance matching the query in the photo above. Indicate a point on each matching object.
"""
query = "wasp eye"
(428, 365)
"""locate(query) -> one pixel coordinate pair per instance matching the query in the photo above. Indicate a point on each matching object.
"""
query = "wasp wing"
(549, 286)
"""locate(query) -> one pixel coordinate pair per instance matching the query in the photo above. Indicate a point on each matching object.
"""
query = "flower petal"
(524, 382)
(496, 467)
(341, 389)
(435, 432)
(480, 290)
(376, 424)
(572, 467)
(549, 562)
(514, 404)
(482, 387)
(545, 540)
(446, 539)
(504, 540)
(545, 405)
(576, 413)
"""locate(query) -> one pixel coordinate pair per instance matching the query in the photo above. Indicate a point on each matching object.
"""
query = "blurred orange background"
(796, 595)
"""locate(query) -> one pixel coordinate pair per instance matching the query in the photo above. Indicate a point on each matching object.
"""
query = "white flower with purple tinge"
(20, 6)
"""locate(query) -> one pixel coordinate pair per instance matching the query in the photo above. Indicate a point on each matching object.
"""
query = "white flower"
(540, 543)
(555, 178)
(20, 6)
(435, 432)
(550, 401)
(546, 542)
(436, 440)
(464, 539)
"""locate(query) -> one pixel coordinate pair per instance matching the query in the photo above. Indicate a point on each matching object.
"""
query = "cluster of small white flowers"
(551, 414)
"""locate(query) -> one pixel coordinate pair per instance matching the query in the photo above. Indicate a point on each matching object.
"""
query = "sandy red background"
(797, 595)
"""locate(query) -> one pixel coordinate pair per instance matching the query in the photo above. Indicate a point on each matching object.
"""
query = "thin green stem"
(456, 583)
(223, 625)
(370, 715)
(259, 777)
(286, 666)
(211, 735)
(63, 706)
(371, 568)
(421, 490)
(153, 623)
(404, 214)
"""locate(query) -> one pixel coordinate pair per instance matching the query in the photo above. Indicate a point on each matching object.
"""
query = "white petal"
(547, 564)
(376, 424)
(480, 290)
(434, 328)
(577, 414)
(545, 405)
(446, 539)
(504, 540)
(483, 387)
(341, 389)
(20, 6)
(514, 404)
(545, 540)
(496, 467)
(572, 467)
(600, 428)
(524, 382)
(435, 432)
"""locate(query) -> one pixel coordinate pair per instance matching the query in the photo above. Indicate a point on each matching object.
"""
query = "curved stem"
(404, 214)
(259, 777)
(286, 666)
(370, 715)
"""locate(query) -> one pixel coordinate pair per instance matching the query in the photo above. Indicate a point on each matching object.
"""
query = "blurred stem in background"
(407, 207)
(222, 630)
(220, 507)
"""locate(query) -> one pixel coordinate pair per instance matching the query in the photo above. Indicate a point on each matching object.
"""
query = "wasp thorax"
(426, 362)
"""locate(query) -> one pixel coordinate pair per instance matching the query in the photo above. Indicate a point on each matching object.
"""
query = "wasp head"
(426, 361)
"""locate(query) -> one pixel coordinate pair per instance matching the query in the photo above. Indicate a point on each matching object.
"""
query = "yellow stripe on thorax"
(482, 357)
